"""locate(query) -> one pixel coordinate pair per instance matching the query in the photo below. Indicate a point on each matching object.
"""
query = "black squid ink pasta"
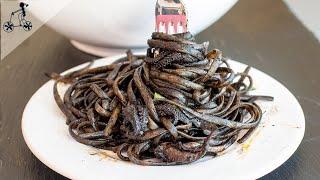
(173, 106)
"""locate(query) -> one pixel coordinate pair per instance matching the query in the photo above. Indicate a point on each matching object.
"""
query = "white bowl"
(104, 27)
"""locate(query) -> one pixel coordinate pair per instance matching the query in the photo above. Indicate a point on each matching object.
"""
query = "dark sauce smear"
(173, 106)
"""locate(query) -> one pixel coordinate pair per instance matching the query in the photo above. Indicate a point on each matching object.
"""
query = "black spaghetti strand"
(173, 106)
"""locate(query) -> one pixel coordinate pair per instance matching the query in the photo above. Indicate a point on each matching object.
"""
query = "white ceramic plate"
(275, 140)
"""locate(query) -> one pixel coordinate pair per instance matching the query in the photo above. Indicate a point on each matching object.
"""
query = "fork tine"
(172, 15)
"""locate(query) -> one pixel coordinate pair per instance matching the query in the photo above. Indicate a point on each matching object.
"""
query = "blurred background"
(105, 28)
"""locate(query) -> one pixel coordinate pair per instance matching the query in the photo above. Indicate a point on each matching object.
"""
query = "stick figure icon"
(8, 26)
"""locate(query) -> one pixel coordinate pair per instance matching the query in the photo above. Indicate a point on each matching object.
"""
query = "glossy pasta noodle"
(173, 106)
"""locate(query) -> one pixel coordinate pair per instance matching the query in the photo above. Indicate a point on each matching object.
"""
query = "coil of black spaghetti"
(173, 106)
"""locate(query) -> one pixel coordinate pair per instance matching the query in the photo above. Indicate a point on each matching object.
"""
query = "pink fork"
(171, 17)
